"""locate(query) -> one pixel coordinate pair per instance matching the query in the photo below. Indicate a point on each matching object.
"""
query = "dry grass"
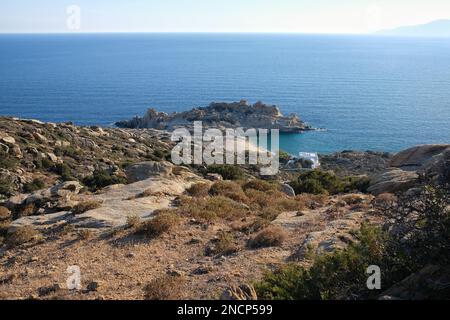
(4, 213)
(26, 210)
(261, 185)
(166, 287)
(229, 189)
(352, 199)
(163, 222)
(224, 245)
(199, 190)
(22, 235)
(385, 200)
(133, 221)
(269, 237)
(212, 208)
(85, 234)
(86, 206)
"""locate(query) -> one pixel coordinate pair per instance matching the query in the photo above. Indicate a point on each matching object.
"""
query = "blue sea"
(369, 92)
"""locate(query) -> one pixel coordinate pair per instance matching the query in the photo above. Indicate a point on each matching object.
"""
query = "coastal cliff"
(221, 115)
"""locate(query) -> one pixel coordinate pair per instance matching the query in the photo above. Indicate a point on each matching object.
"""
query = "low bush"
(85, 234)
(228, 172)
(224, 245)
(317, 182)
(198, 190)
(163, 222)
(133, 221)
(166, 287)
(64, 171)
(269, 237)
(22, 235)
(36, 184)
(415, 235)
(85, 206)
(228, 189)
(102, 178)
(210, 208)
(260, 185)
(5, 213)
(6, 161)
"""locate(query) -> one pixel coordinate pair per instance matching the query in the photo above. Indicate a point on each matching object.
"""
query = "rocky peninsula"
(221, 115)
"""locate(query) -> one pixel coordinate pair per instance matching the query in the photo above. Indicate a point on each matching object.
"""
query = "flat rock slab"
(118, 203)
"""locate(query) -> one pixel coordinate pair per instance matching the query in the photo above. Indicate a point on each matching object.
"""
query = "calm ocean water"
(370, 93)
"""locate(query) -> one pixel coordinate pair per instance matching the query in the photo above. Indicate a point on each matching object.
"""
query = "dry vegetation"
(269, 237)
(166, 287)
(163, 222)
(22, 235)
(86, 206)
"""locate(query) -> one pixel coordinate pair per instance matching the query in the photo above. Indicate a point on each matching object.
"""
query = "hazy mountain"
(438, 28)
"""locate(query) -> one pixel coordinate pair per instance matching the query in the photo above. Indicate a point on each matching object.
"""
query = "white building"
(311, 156)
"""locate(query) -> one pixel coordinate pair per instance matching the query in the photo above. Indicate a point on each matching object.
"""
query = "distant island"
(221, 115)
(438, 28)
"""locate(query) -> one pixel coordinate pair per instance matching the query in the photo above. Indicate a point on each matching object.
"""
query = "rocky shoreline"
(221, 116)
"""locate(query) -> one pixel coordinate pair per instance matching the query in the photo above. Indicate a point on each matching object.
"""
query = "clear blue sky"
(311, 16)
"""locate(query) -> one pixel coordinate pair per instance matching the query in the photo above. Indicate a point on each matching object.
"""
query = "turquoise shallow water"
(372, 93)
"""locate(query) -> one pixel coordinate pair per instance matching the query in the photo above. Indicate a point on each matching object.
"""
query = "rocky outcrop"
(393, 181)
(56, 198)
(221, 115)
(52, 153)
(418, 157)
(431, 282)
(144, 170)
(139, 199)
(355, 163)
(406, 167)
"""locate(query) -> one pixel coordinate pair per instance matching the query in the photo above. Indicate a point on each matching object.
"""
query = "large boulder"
(392, 181)
(406, 167)
(56, 198)
(145, 170)
(418, 157)
(431, 282)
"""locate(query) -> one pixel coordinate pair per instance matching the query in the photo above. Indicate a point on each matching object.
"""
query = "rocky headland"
(221, 115)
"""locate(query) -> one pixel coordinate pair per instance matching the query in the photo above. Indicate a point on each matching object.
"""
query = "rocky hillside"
(221, 115)
(34, 155)
(138, 227)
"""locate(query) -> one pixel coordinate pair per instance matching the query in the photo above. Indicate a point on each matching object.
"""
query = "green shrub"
(36, 184)
(339, 275)
(317, 182)
(284, 156)
(228, 172)
(6, 161)
(64, 171)
(357, 183)
(68, 151)
(102, 178)
(6, 187)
